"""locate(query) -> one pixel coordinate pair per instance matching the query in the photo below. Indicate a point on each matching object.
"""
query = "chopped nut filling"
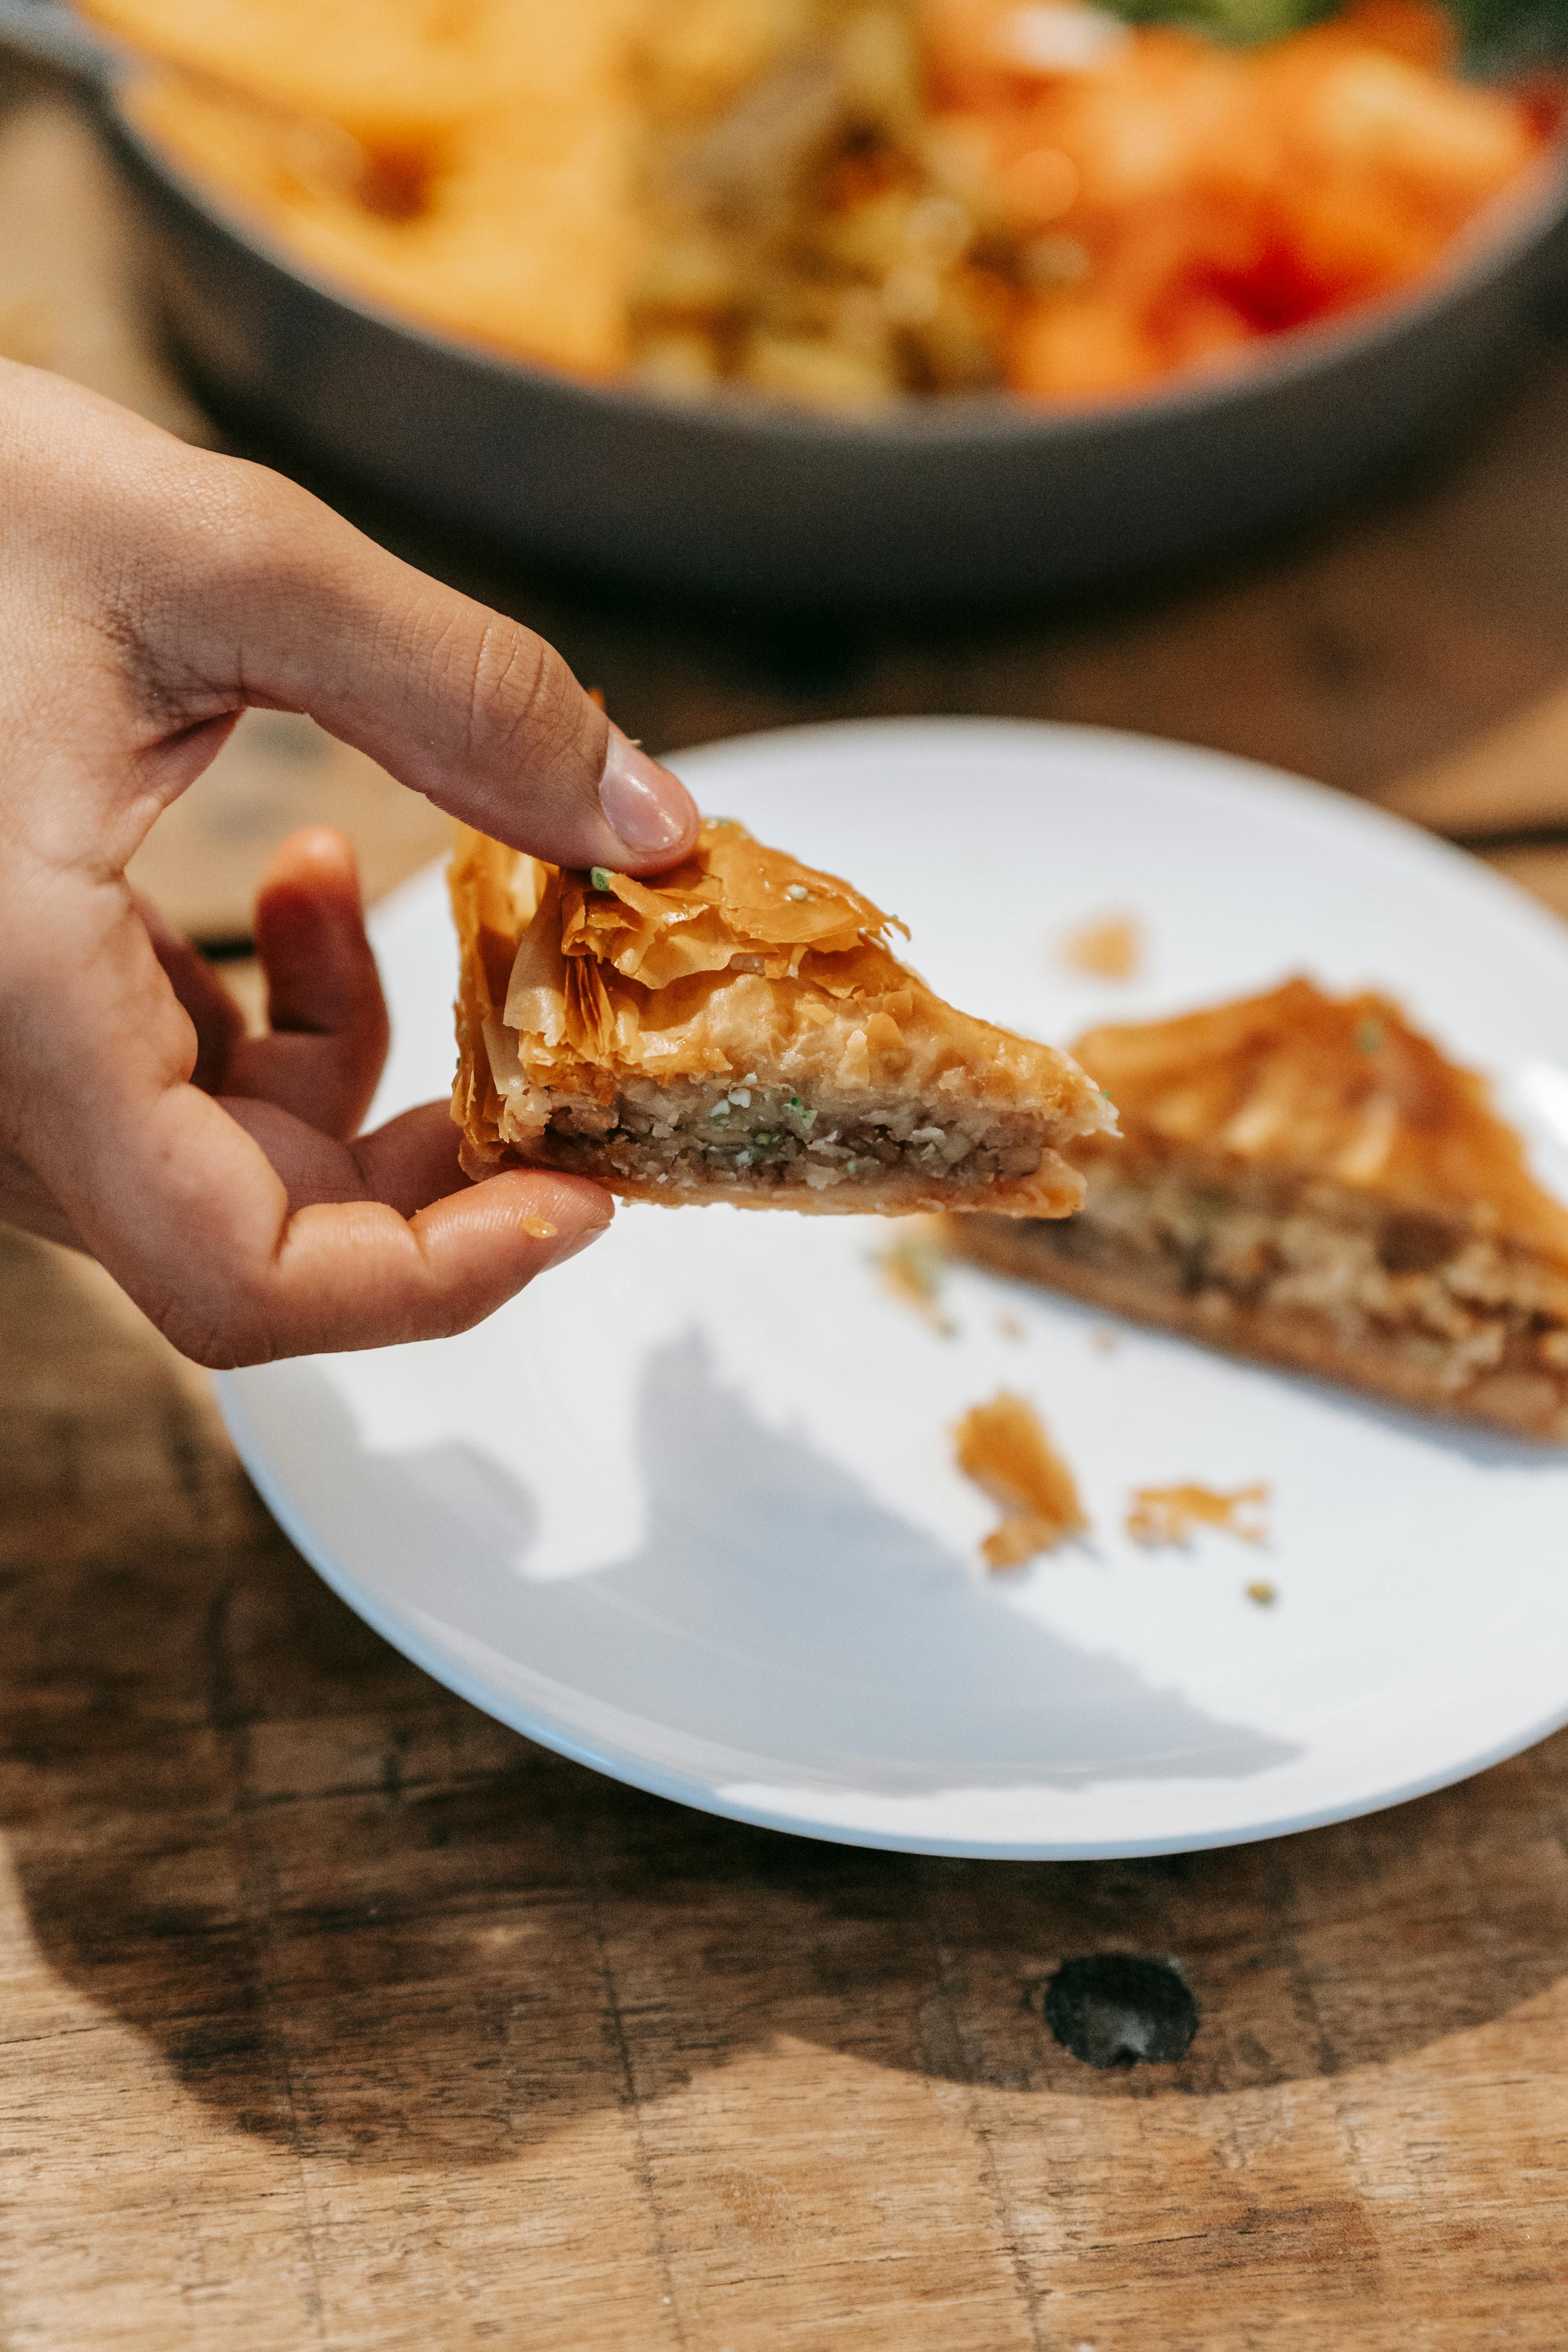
(761, 1138)
(1456, 1304)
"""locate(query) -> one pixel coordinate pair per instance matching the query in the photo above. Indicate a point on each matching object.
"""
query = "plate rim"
(677, 1788)
(1230, 771)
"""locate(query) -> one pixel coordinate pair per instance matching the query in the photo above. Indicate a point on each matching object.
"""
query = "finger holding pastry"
(157, 592)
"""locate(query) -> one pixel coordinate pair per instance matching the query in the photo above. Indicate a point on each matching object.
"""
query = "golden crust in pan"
(740, 1030)
(1308, 1181)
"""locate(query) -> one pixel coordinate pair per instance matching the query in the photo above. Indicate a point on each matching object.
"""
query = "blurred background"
(1396, 626)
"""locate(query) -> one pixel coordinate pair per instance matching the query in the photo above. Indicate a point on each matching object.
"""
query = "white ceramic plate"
(688, 1511)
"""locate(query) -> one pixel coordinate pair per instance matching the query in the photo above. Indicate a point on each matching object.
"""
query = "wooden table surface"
(334, 2015)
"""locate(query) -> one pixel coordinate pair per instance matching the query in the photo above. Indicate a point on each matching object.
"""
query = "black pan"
(953, 498)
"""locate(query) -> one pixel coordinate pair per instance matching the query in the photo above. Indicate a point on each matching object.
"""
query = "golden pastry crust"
(1340, 1088)
(1310, 1181)
(740, 1030)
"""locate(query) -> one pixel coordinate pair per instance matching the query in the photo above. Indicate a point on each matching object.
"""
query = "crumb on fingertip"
(538, 1229)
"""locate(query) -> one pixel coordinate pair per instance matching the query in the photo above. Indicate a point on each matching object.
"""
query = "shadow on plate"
(354, 1915)
(776, 1624)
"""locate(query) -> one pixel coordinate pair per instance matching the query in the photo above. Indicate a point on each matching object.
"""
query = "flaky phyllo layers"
(1309, 1180)
(740, 1030)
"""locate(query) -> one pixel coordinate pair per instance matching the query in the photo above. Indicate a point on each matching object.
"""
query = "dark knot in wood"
(1119, 2009)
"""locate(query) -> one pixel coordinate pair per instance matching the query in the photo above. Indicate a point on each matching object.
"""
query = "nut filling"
(757, 1139)
(1456, 1306)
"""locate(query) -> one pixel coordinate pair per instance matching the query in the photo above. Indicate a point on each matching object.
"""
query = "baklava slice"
(1307, 1180)
(740, 1030)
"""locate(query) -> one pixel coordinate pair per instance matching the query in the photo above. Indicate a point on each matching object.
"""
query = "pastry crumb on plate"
(1110, 948)
(1004, 1447)
(912, 1267)
(1169, 1514)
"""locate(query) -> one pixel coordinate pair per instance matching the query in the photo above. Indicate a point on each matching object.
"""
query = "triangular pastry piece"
(739, 1030)
(1307, 1180)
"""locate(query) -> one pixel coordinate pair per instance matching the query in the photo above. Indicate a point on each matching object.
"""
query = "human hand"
(154, 591)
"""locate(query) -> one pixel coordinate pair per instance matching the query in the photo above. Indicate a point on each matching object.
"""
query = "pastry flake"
(1171, 1515)
(739, 1029)
(1004, 1447)
(1307, 1180)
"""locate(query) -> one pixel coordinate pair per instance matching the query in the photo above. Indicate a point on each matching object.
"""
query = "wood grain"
(1510, 779)
(332, 2015)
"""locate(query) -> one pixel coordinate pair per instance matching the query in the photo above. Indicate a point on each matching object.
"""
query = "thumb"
(198, 583)
(293, 609)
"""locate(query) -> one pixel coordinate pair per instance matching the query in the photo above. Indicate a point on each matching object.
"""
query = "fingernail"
(644, 804)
